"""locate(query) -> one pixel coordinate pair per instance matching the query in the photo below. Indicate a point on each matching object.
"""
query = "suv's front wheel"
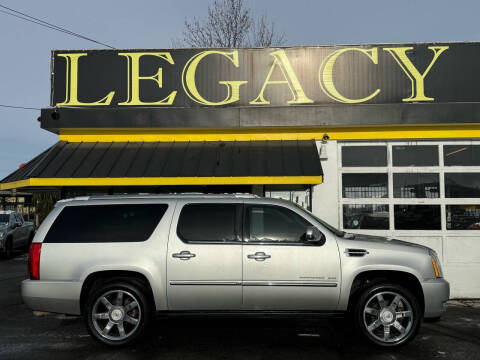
(117, 313)
(388, 314)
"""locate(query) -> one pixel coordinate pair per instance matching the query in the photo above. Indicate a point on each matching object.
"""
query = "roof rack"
(161, 196)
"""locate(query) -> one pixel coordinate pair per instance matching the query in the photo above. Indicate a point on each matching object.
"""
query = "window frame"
(245, 233)
(238, 224)
(441, 201)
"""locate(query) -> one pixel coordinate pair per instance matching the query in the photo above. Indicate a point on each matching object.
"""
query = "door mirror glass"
(313, 235)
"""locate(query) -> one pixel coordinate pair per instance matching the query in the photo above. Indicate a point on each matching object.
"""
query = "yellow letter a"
(281, 60)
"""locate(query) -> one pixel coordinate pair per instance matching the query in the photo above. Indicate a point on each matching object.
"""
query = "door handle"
(259, 256)
(184, 255)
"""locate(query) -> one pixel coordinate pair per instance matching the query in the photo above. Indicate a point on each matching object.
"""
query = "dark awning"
(170, 163)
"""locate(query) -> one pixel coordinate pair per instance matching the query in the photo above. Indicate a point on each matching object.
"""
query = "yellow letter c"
(325, 75)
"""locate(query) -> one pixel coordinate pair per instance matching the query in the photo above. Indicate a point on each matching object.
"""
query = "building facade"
(375, 139)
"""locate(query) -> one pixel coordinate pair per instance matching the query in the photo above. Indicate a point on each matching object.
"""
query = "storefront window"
(354, 156)
(366, 185)
(365, 216)
(415, 155)
(463, 217)
(416, 185)
(462, 185)
(421, 194)
(461, 155)
(417, 217)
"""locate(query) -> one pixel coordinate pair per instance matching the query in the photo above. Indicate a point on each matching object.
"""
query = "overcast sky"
(25, 55)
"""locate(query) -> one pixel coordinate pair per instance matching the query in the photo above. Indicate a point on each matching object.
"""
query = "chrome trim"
(356, 252)
(254, 283)
(200, 282)
(289, 283)
(184, 255)
(259, 256)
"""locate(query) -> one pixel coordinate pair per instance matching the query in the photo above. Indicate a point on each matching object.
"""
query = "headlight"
(1, 234)
(437, 269)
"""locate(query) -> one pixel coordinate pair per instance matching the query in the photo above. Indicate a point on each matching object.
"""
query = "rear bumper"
(52, 296)
(436, 293)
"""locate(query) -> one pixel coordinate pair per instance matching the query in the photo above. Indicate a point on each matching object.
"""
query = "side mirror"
(314, 236)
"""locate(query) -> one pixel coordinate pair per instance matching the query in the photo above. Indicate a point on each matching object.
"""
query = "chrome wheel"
(388, 317)
(116, 315)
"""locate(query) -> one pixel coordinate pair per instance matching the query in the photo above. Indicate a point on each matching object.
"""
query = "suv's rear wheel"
(388, 314)
(118, 313)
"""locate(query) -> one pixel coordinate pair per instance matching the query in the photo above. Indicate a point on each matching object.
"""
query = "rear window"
(207, 223)
(105, 223)
(4, 218)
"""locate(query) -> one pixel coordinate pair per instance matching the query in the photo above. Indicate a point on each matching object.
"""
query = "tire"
(387, 315)
(105, 320)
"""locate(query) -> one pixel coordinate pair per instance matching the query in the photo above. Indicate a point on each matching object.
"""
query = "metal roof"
(173, 159)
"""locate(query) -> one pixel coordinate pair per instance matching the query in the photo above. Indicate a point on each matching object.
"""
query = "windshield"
(328, 226)
(4, 219)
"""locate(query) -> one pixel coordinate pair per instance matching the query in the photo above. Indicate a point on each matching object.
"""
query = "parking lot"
(25, 335)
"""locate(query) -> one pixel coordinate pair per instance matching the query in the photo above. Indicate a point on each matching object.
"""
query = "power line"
(32, 19)
(35, 22)
(19, 107)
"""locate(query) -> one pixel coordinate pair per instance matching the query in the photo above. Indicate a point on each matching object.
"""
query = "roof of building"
(174, 160)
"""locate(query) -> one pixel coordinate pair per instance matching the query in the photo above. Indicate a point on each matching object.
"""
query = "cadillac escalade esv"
(119, 260)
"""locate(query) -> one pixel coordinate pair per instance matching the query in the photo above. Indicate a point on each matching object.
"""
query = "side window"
(19, 219)
(207, 223)
(105, 223)
(269, 223)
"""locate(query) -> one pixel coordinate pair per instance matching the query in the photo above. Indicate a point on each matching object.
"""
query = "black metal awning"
(170, 163)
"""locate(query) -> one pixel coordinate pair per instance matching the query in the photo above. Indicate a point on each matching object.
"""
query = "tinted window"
(365, 185)
(207, 222)
(417, 217)
(105, 223)
(365, 217)
(4, 218)
(415, 155)
(462, 185)
(463, 217)
(416, 185)
(274, 224)
(364, 156)
(461, 155)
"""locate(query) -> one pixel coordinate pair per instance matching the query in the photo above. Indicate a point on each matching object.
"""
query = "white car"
(118, 260)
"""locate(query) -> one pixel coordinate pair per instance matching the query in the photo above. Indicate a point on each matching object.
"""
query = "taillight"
(34, 261)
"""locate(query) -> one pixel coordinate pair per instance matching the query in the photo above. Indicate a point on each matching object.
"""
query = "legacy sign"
(267, 76)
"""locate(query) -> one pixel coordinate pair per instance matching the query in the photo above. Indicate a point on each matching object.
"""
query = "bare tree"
(229, 24)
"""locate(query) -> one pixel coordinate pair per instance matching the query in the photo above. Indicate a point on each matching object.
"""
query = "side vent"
(356, 252)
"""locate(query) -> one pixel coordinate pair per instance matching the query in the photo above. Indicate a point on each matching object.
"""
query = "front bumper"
(52, 296)
(436, 293)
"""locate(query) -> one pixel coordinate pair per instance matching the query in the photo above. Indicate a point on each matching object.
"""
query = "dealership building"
(374, 139)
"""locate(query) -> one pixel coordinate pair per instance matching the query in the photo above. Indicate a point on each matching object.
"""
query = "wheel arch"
(106, 275)
(369, 277)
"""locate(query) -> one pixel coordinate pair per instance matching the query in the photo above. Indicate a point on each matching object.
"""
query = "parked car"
(118, 260)
(15, 233)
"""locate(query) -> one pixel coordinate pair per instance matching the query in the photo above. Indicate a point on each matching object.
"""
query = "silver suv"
(118, 260)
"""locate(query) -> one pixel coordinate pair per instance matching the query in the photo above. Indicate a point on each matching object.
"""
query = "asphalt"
(28, 335)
